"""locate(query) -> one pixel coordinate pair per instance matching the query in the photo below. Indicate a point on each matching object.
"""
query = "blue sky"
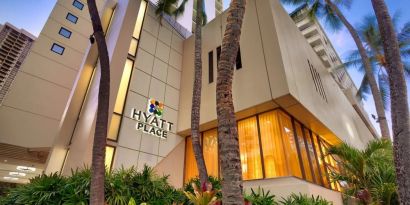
(31, 15)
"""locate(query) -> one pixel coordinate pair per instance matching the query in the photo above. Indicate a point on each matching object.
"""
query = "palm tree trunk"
(98, 155)
(196, 99)
(378, 101)
(228, 140)
(398, 99)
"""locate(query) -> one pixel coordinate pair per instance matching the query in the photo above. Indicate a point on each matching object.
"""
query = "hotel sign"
(150, 121)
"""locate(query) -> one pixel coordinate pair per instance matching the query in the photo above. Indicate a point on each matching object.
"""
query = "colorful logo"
(155, 107)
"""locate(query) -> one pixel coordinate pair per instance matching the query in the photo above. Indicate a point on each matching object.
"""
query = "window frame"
(62, 29)
(78, 4)
(57, 45)
(70, 20)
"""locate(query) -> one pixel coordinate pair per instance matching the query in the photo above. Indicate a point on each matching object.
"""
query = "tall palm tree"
(334, 17)
(165, 7)
(100, 136)
(228, 140)
(398, 99)
(196, 96)
(366, 174)
(369, 34)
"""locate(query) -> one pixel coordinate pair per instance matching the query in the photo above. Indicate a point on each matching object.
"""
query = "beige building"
(14, 45)
(289, 107)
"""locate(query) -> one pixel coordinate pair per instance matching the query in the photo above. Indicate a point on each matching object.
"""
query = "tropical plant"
(43, 189)
(366, 174)
(202, 196)
(166, 7)
(370, 35)
(101, 125)
(398, 99)
(260, 197)
(329, 10)
(122, 187)
(215, 182)
(228, 140)
(303, 199)
(77, 188)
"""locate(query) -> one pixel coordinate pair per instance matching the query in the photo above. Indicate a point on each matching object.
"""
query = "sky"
(31, 15)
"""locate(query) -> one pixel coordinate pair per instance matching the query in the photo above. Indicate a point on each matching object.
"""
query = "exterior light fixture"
(20, 174)
(11, 178)
(26, 169)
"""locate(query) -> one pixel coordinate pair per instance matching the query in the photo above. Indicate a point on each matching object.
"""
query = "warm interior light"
(17, 174)
(11, 178)
(25, 168)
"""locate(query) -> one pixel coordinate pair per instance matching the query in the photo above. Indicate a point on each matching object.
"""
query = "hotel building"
(288, 106)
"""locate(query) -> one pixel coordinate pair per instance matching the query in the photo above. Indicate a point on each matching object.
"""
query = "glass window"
(272, 146)
(331, 164)
(122, 90)
(133, 47)
(65, 32)
(109, 156)
(320, 160)
(249, 149)
(191, 169)
(238, 63)
(210, 150)
(291, 151)
(311, 151)
(57, 49)
(71, 18)
(78, 4)
(303, 153)
(211, 67)
(114, 127)
(140, 19)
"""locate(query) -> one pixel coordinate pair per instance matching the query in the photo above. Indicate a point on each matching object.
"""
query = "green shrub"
(303, 199)
(260, 197)
(122, 186)
(42, 190)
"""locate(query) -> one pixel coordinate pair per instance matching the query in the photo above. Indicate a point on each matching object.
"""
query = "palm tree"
(164, 6)
(100, 136)
(370, 35)
(366, 174)
(228, 140)
(335, 18)
(398, 99)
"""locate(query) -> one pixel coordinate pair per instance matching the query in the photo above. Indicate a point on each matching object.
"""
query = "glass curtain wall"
(272, 144)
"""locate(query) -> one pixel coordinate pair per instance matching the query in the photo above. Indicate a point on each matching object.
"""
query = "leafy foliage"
(206, 196)
(303, 199)
(122, 187)
(367, 174)
(215, 182)
(260, 197)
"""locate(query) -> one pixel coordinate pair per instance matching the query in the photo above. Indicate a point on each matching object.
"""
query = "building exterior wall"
(31, 112)
(275, 71)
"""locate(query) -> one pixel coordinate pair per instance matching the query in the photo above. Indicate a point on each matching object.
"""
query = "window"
(238, 59)
(272, 144)
(65, 32)
(78, 4)
(109, 156)
(71, 18)
(133, 47)
(122, 91)
(191, 169)
(210, 151)
(249, 149)
(211, 67)
(57, 49)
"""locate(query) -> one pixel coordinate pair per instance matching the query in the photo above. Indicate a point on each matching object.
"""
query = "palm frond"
(384, 88)
(294, 2)
(331, 19)
(180, 9)
(364, 89)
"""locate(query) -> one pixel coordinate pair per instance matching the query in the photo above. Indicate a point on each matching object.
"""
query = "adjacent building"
(14, 45)
(288, 106)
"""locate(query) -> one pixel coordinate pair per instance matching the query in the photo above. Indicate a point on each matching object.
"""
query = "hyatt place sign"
(151, 121)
